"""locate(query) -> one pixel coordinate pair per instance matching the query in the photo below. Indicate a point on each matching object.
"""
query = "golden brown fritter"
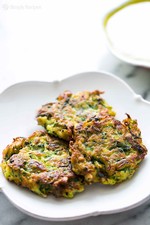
(42, 164)
(59, 118)
(106, 150)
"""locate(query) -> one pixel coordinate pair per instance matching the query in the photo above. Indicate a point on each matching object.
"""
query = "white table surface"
(50, 40)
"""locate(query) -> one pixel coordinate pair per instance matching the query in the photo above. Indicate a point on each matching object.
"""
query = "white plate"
(18, 105)
(126, 28)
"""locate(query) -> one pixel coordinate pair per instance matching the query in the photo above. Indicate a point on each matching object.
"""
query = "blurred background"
(50, 40)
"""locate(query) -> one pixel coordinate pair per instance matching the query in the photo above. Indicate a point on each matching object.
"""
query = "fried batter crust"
(42, 164)
(106, 150)
(59, 118)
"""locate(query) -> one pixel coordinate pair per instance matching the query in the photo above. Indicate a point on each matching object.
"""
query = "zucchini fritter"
(42, 164)
(106, 150)
(60, 117)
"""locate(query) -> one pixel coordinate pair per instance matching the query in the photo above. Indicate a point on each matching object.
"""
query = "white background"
(50, 39)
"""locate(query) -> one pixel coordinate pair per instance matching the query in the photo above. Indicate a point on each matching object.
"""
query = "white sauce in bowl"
(128, 31)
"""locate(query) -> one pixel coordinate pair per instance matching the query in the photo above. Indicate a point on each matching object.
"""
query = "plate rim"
(81, 216)
(104, 72)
